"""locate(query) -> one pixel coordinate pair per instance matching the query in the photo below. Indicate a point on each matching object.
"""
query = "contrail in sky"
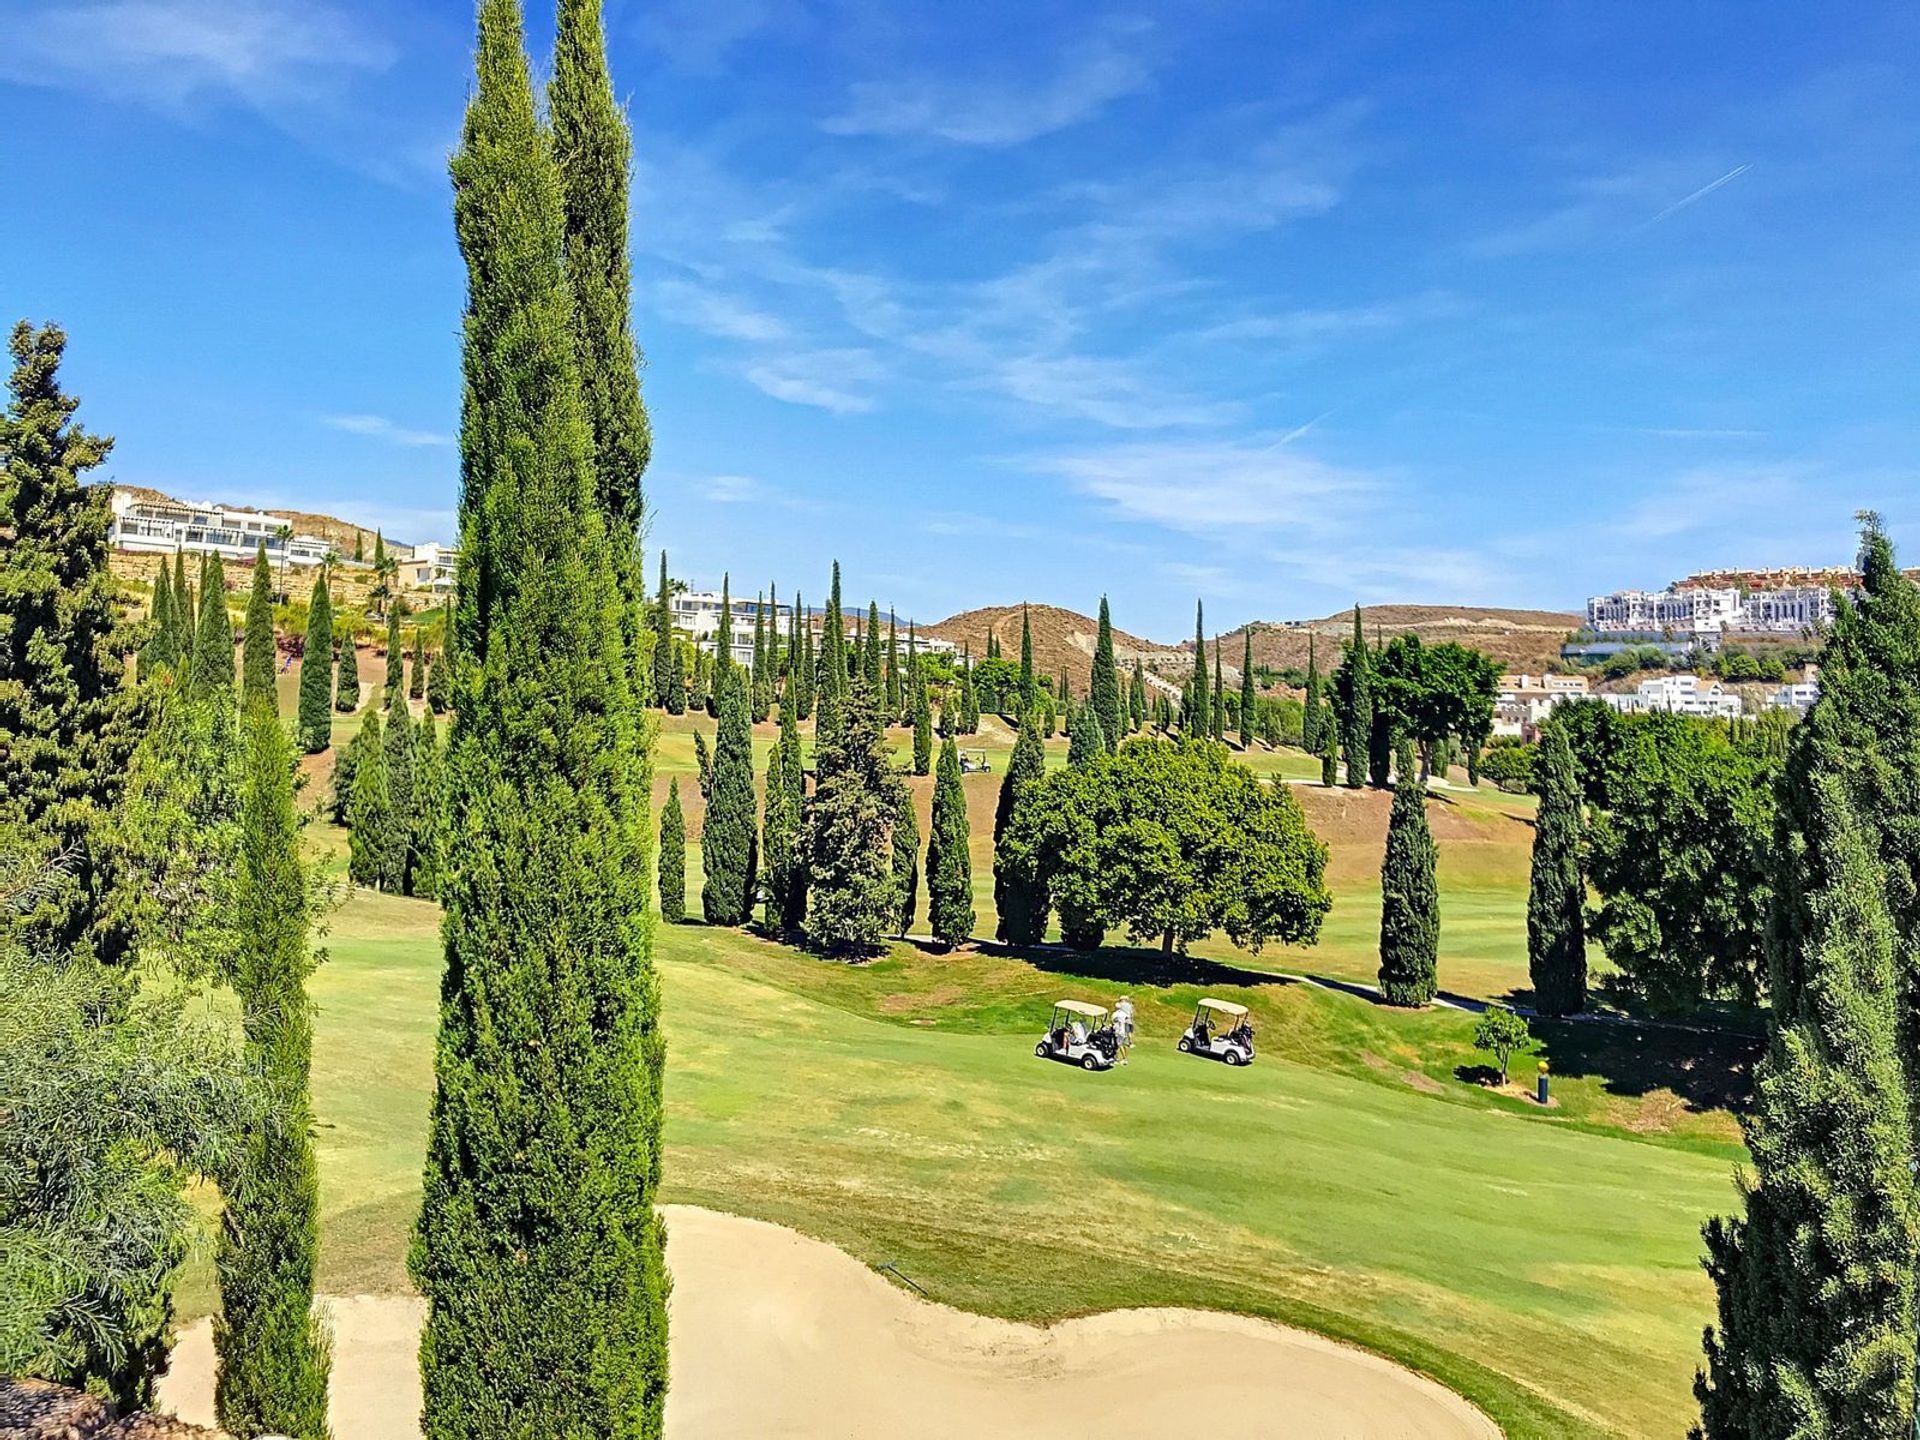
(1701, 193)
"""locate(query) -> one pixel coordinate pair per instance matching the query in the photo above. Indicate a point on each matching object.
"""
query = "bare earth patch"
(776, 1334)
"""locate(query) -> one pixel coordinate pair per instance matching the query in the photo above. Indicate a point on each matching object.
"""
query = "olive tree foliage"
(110, 1105)
(1434, 693)
(1684, 860)
(1170, 843)
(1503, 1034)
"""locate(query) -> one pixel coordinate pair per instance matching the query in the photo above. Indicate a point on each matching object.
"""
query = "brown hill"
(1062, 640)
(1524, 640)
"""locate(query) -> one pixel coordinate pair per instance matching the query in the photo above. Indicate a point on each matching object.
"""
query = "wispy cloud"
(992, 112)
(825, 379)
(1214, 488)
(1700, 194)
(378, 427)
(729, 489)
(716, 312)
(1306, 328)
(173, 53)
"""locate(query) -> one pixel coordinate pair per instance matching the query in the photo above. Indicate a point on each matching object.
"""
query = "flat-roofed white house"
(1679, 695)
(430, 567)
(158, 526)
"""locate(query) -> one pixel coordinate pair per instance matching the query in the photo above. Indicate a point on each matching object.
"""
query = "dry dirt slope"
(1062, 639)
(1525, 640)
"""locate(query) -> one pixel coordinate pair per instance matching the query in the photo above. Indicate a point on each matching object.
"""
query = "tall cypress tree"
(1357, 732)
(830, 690)
(429, 810)
(538, 1250)
(399, 751)
(761, 700)
(1310, 710)
(158, 649)
(1198, 716)
(780, 844)
(1816, 1278)
(949, 867)
(1087, 742)
(1104, 687)
(895, 700)
(1029, 685)
(802, 661)
(67, 720)
(185, 616)
(1019, 899)
(870, 660)
(728, 841)
(369, 808)
(906, 855)
(1557, 892)
(1409, 897)
(922, 721)
(213, 634)
(673, 858)
(593, 152)
(1219, 730)
(847, 839)
(1248, 701)
(665, 678)
(1137, 696)
(440, 684)
(396, 681)
(1329, 758)
(346, 685)
(417, 675)
(273, 1354)
(257, 649)
(722, 642)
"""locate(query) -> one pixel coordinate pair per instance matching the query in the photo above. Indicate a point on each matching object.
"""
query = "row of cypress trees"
(840, 864)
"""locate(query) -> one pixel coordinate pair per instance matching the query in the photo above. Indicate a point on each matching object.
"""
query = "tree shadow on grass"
(1129, 965)
(1707, 1070)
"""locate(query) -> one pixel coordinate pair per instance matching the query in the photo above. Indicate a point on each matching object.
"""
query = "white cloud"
(978, 111)
(378, 427)
(821, 378)
(1114, 393)
(729, 489)
(716, 312)
(171, 53)
(1216, 488)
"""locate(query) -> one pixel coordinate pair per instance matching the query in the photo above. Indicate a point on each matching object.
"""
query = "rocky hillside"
(1524, 640)
(1062, 639)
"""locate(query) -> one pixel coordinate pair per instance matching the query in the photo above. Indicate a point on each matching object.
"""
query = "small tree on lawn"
(1504, 1033)
(346, 685)
(949, 867)
(673, 858)
(1409, 898)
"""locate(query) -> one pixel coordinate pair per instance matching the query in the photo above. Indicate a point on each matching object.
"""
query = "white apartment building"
(431, 568)
(163, 526)
(1709, 610)
(1678, 695)
(698, 613)
(1799, 696)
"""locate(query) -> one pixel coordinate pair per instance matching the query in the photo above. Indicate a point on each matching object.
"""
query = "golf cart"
(1221, 1031)
(1080, 1034)
(974, 762)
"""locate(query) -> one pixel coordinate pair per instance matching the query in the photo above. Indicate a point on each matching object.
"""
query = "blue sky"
(1279, 306)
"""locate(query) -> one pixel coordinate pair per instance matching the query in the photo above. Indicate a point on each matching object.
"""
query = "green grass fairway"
(1545, 1269)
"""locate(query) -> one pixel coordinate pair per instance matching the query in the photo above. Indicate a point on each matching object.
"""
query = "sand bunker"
(775, 1334)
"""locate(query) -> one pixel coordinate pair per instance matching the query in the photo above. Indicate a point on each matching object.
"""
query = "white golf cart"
(1221, 1031)
(974, 762)
(1080, 1034)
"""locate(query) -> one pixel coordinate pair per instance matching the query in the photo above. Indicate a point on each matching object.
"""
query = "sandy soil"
(776, 1334)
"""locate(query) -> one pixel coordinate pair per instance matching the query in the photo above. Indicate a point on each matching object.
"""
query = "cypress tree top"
(1103, 689)
(1200, 703)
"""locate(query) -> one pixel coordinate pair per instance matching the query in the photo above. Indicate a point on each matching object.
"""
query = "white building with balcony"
(431, 568)
(1678, 695)
(155, 525)
(1701, 610)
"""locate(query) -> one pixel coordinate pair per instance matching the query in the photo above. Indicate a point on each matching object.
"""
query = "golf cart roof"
(1225, 1007)
(1079, 1007)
